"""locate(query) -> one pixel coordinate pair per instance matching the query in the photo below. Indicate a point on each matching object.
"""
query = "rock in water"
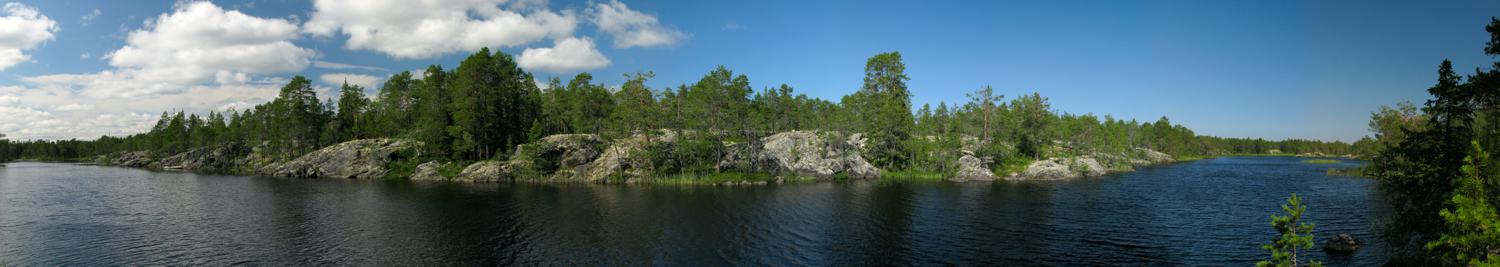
(358, 159)
(971, 168)
(1342, 244)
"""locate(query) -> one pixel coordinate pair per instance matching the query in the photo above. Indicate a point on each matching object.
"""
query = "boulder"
(806, 153)
(427, 172)
(1342, 244)
(971, 168)
(358, 159)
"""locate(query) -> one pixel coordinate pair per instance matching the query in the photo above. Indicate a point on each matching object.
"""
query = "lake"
(1206, 212)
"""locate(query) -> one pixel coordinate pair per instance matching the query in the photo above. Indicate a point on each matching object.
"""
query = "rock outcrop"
(563, 157)
(137, 159)
(971, 168)
(1062, 168)
(620, 158)
(358, 159)
(488, 171)
(219, 158)
(1153, 157)
(1342, 244)
(822, 155)
(1092, 165)
(427, 172)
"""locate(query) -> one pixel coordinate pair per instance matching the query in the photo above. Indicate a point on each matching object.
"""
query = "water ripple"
(1209, 212)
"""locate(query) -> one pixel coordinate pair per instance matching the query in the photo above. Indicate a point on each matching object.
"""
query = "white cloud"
(632, 28)
(568, 54)
(6, 100)
(342, 66)
(22, 28)
(61, 113)
(89, 17)
(426, 29)
(73, 107)
(200, 41)
(197, 58)
(338, 79)
(83, 56)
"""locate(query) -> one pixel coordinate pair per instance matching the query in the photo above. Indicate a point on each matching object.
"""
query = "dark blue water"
(1209, 212)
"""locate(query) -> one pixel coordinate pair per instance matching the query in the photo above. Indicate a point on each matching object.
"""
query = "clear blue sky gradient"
(1268, 69)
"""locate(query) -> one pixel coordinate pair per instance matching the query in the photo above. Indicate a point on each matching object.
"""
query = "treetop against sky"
(1271, 69)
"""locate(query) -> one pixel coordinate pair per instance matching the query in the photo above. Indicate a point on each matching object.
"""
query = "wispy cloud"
(87, 18)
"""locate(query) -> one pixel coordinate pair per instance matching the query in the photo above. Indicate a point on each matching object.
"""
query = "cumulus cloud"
(426, 29)
(196, 58)
(200, 41)
(568, 54)
(632, 28)
(60, 113)
(22, 28)
(338, 79)
(73, 107)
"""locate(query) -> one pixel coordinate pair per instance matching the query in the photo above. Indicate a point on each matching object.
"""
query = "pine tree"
(395, 109)
(1473, 228)
(1292, 235)
(891, 121)
(351, 108)
(493, 105)
(432, 111)
(983, 101)
(635, 107)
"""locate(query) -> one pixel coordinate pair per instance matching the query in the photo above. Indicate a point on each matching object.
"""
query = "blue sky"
(1269, 69)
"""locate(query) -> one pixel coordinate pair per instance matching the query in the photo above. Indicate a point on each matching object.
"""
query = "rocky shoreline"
(587, 158)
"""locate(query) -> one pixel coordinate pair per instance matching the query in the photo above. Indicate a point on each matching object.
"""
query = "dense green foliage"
(488, 105)
(1292, 234)
(1473, 235)
(1420, 154)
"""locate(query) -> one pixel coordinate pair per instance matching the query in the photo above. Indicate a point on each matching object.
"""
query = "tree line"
(488, 105)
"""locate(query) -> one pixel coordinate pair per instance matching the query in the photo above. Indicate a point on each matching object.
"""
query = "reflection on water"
(1210, 212)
